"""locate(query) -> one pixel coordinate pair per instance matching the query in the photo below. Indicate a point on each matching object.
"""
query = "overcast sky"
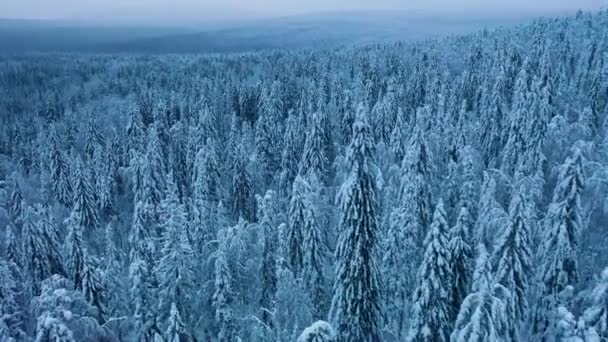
(175, 11)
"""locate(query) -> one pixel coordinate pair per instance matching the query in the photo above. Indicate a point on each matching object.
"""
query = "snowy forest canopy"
(444, 190)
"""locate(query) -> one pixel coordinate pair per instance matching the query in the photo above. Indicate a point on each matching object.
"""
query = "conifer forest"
(443, 189)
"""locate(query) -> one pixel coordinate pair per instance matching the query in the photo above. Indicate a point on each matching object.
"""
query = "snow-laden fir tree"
(242, 190)
(564, 225)
(268, 274)
(314, 253)
(298, 218)
(223, 295)
(398, 140)
(34, 249)
(460, 260)
(93, 289)
(11, 315)
(267, 140)
(596, 315)
(292, 152)
(356, 307)
(15, 205)
(176, 331)
(175, 267)
(416, 168)
(48, 230)
(13, 252)
(431, 309)
(400, 260)
(59, 172)
(483, 314)
(84, 212)
(75, 250)
(511, 262)
(314, 161)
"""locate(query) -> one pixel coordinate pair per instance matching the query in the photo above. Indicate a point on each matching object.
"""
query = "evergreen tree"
(512, 263)
(431, 300)
(176, 331)
(292, 152)
(268, 268)
(483, 314)
(560, 250)
(84, 213)
(11, 316)
(356, 306)
(267, 144)
(93, 289)
(314, 161)
(297, 225)
(74, 250)
(175, 268)
(35, 253)
(48, 230)
(223, 296)
(59, 173)
(460, 259)
(314, 253)
(400, 259)
(416, 168)
(243, 196)
(597, 314)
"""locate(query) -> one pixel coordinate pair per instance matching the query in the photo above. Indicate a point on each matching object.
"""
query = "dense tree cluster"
(445, 190)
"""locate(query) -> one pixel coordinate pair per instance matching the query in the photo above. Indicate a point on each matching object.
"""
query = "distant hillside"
(320, 30)
(305, 31)
(18, 36)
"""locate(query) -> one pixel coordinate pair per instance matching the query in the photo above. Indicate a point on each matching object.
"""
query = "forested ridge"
(444, 190)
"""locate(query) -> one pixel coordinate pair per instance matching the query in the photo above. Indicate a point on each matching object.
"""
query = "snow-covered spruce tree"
(596, 315)
(469, 189)
(297, 224)
(74, 250)
(48, 229)
(59, 173)
(319, 331)
(242, 190)
(400, 260)
(292, 152)
(314, 161)
(398, 140)
(416, 168)
(512, 265)
(314, 255)
(154, 176)
(11, 315)
(84, 212)
(206, 193)
(15, 205)
(13, 251)
(267, 141)
(175, 268)
(431, 299)
(356, 307)
(483, 314)
(223, 295)
(460, 260)
(92, 287)
(113, 280)
(34, 250)
(564, 225)
(268, 274)
(176, 331)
